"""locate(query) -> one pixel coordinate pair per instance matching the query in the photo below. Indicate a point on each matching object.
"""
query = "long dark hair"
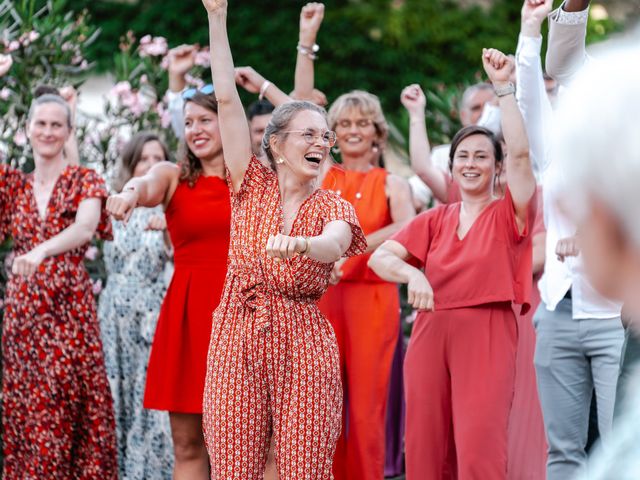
(131, 155)
(190, 165)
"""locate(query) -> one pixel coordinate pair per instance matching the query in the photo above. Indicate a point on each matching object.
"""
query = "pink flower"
(33, 35)
(13, 45)
(77, 59)
(84, 64)
(203, 58)
(191, 80)
(144, 79)
(164, 64)
(19, 138)
(96, 286)
(91, 253)
(145, 40)
(5, 93)
(121, 88)
(165, 116)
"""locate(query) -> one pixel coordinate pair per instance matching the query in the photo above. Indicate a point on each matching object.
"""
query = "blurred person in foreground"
(597, 142)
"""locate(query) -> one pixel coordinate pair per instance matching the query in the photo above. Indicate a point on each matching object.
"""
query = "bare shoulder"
(396, 184)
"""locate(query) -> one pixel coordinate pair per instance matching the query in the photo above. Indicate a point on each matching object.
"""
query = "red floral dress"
(273, 358)
(57, 409)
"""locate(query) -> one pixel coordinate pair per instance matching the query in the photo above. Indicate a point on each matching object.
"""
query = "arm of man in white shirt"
(566, 52)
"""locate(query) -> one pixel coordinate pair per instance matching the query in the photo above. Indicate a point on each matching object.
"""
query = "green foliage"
(48, 44)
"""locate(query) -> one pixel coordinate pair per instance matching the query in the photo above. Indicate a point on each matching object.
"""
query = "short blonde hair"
(366, 103)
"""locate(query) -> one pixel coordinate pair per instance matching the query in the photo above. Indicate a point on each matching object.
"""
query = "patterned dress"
(273, 358)
(57, 409)
(128, 312)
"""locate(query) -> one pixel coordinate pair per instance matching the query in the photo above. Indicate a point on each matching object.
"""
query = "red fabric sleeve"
(337, 208)
(416, 236)
(92, 185)
(256, 175)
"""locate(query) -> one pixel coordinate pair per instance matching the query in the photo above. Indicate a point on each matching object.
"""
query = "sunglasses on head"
(190, 92)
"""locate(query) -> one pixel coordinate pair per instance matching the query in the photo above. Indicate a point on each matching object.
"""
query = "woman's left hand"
(28, 263)
(284, 247)
(497, 65)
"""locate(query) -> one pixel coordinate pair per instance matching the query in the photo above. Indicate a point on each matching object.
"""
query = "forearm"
(71, 152)
(304, 73)
(276, 96)
(327, 248)
(177, 82)
(222, 70)
(566, 52)
(420, 157)
(513, 130)
(390, 267)
(539, 255)
(147, 194)
(74, 236)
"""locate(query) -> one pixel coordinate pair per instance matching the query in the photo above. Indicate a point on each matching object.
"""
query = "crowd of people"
(250, 325)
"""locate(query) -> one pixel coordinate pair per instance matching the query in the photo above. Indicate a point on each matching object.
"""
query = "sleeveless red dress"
(198, 221)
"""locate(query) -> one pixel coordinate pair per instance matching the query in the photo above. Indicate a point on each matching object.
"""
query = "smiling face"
(152, 153)
(303, 159)
(356, 133)
(474, 164)
(201, 131)
(48, 130)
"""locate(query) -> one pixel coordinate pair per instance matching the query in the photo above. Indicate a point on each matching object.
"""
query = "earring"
(335, 150)
(280, 160)
(375, 149)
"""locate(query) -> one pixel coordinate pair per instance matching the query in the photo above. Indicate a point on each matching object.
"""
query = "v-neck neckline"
(295, 218)
(43, 219)
(472, 224)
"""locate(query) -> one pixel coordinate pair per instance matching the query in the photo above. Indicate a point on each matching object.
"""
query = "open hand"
(311, 17)
(5, 64)
(28, 263)
(284, 247)
(414, 100)
(249, 79)
(497, 65)
(121, 205)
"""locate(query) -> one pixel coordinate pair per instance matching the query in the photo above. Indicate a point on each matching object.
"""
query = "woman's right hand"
(121, 205)
(249, 79)
(414, 100)
(215, 6)
(420, 292)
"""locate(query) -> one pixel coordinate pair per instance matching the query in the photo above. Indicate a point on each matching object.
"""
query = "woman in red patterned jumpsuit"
(273, 358)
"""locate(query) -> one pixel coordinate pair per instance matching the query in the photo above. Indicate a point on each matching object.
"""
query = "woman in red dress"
(57, 411)
(476, 254)
(363, 309)
(195, 196)
(273, 358)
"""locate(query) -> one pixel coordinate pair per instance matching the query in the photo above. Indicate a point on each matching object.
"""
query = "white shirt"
(558, 276)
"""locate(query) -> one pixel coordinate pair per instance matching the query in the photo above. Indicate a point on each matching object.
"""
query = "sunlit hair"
(281, 119)
(50, 98)
(131, 156)
(476, 130)
(596, 140)
(364, 102)
(190, 165)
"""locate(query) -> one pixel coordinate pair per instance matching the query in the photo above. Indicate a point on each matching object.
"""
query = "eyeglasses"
(328, 138)
(360, 123)
(190, 92)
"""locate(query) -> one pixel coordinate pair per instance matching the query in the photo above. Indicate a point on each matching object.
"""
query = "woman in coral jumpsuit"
(363, 309)
(57, 410)
(273, 357)
(196, 200)
(476, 254)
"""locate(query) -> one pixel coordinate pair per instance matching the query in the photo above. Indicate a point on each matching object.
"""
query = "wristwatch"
(507, 89)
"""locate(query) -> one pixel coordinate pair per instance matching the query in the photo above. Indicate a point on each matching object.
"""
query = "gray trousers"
(629, 365)
(572, 358)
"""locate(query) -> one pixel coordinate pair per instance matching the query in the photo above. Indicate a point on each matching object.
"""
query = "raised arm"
(415, 101)
(253, 82)
(181, 59)
(566, 52)
(520, 179)
(154, 188)
(71, 152)
(75, 235)
(311, 17)
(531, 93)
(234, 128)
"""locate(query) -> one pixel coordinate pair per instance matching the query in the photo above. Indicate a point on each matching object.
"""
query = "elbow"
(85, 234)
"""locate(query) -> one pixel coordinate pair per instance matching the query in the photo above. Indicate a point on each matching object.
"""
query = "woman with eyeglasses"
(273, 358)
(364, 309)
(195, 197)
